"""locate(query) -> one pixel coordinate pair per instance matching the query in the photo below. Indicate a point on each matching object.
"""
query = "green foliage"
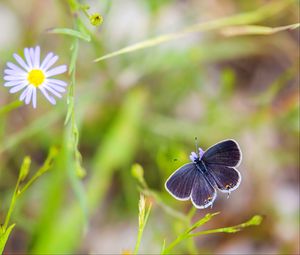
(256, 30)
(240, 19)
(21, 187)
(9, 107)
(25, 168)
(146, 107)
(4, 235)
(143, 217)
(70, 32)
(254, 221)
(122, 135)
(137, 172)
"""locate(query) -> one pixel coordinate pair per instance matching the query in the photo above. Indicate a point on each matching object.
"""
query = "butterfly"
(209, 170)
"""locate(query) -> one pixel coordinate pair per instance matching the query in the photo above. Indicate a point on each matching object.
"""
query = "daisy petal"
(37, 54)
(12, 83)
(15, 73)
(28, 58)
(18, 87)
(54, 92)
(34, 97)
(24, 93)
(57, 82)
(32, 53)
(50, 63)
(21, 62)
(28, 96)
(13, 78)
(56, 87)
(56, 70)
(14, 67)
(25, 77)
(49, 98)
(46, 59)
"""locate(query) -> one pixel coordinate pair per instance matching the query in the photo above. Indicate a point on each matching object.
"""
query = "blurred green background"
(146, 107)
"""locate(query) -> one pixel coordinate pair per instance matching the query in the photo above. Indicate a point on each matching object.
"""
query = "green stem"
(17, 192)
(186, 234)
(190, 242)
(169, 210)
(138, 241)
(212, 231)
(173, 244)
(74, 6)
(9, 107)
(75, 169)
(254, 221)
(46, 166)
(141, 230)
(84, 9)
(12, 205)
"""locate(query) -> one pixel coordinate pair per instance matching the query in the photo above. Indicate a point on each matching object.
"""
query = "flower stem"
(9, 107)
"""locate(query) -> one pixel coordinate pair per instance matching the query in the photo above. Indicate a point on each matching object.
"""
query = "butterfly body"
(201, 166)
(210, 170)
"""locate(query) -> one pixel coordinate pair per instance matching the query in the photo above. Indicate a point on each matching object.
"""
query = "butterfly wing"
(203, 193)
(220, 160)
(180, 183)
(226, 153)
(226, 178)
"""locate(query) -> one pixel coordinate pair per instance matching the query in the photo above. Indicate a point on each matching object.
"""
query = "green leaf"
(202, 221)
(186, 234)
(74, 56)
(70, 32)
(9, 107)
(235, 20)
(4, 237)
(254, 221)
(256, 30)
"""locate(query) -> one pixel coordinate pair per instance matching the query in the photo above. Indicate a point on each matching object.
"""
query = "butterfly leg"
(228, 194)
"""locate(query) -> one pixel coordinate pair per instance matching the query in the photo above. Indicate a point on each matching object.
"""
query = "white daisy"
(31, 75)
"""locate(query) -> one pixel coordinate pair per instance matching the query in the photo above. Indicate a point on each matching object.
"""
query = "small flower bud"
(96, 19)
(24, 168)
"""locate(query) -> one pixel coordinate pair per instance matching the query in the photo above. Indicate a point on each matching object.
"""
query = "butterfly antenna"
(196, 144)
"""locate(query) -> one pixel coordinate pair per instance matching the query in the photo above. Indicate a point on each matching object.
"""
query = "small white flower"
(31, 75)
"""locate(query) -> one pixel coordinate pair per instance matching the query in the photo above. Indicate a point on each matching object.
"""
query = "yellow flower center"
(36, 77)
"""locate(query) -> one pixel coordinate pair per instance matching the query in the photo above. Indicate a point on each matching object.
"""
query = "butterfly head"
(201, 152)
(195, 157)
